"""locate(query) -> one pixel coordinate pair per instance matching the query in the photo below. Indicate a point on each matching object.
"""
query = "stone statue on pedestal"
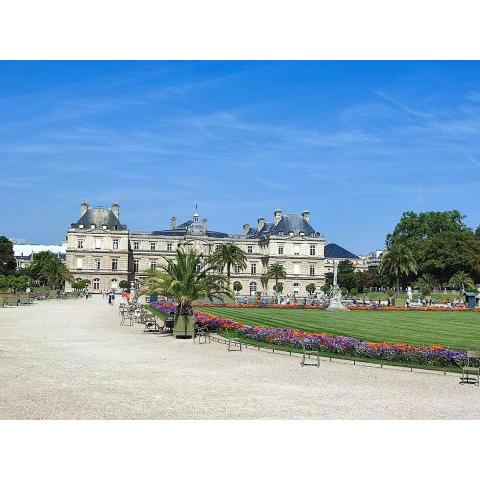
(335, 292)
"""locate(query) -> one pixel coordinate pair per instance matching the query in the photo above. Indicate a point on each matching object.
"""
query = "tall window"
(253, 268)
(96, 284)
(296, 269)
(217, 248)
(98, 244)
(80, 243)
(312, 250)
(79, 263)
(136, 245)
(136, 265)
(114, 263)
(250, 249)
(296, 287)
(312, 270)
(296, 249)
(153, 246)
(113, 283)
(97, 264)
(169, 247)
(115, 244)
(236, 269)
(253, 288)
(280, 249)
(153, 265)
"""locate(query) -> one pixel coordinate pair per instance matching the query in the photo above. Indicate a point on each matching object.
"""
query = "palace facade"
(102, 249)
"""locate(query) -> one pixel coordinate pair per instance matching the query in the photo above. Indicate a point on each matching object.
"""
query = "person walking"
(110, 299)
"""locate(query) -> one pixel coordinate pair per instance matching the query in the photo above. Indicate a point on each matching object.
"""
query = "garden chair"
(308, 353)
(471, 373)
(152, 325)
(201, 332)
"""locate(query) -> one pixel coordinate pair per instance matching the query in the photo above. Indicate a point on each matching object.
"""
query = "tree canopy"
(8, 264)
(440, 242)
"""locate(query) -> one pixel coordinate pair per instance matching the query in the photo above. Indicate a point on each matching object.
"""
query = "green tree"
(277, 272)
(8, 264)
(47, 269)
(187, 278)
(278, 288)
(237, 287)
(229, 255)
(124, 285)
(345, 267)
(461, 281)
(310, 288)
(398, 260)
(440, 242)
(426, 284)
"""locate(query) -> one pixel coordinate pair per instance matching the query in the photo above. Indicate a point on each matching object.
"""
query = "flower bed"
(399, 352)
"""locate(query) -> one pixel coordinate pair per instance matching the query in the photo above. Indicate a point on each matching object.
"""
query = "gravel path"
(71, 360)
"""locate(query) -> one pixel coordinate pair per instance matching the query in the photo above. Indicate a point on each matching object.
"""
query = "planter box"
(184, 327)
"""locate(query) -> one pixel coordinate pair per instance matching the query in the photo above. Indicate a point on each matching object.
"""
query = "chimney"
(278, 216)
(116, 210)
(306, 215)
(246, 228)
(173, 223)
(83, 208)
(261, 223)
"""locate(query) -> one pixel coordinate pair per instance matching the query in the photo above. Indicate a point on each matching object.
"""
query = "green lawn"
(450, 329)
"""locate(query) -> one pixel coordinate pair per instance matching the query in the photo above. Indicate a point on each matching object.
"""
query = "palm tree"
(187, 278)
(229, 255)
(426, 284)
(461, 281)
(56, 274)
(398, 260)
(277, 271)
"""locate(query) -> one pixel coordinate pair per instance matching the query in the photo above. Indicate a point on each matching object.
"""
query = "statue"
(409, 293)
(335, 292)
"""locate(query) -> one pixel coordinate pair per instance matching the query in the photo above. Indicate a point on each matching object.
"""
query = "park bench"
(12, 301)
(24, 300)
(471, 373)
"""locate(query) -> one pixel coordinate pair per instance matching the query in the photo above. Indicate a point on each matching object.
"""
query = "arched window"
(114, 283)
(296, 287)
(96, 284)
(253, 288)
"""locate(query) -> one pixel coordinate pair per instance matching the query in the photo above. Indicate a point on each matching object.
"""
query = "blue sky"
(356, 143)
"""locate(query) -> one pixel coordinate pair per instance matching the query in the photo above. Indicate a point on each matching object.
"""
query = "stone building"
(103, 250)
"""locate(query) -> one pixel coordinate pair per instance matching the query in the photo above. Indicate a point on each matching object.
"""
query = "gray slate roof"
(332, 250)
(99, 216)
(289, 223)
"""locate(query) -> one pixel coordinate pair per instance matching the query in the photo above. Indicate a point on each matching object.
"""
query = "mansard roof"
(289, 223)
(99, 216)
(332, 250)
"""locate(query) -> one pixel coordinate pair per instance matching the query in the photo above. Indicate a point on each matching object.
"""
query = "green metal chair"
(471, 373)
(2, 302)
(12, 301)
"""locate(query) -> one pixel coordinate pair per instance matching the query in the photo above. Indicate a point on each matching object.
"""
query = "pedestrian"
(110, 299)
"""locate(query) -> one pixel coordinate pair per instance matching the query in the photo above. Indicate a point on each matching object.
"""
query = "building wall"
(137, 252)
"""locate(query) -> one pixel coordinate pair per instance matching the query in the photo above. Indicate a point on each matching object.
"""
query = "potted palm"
(187, 278)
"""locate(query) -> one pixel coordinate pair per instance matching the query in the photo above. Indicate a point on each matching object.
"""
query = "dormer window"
(115, 227)
(104, 227)
(93, 226)
(80, 226)
(291, 234)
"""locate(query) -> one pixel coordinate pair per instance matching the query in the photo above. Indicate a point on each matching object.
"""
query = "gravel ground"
(72, 360)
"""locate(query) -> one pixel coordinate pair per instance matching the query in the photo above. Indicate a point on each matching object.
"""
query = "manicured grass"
(450, 329)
